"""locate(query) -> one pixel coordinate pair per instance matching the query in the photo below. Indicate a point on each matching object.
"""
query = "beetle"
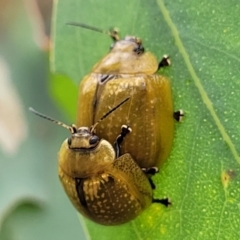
(127, 70)
(103, 185)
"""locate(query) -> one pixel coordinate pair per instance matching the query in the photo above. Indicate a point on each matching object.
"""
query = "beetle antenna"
(105, 115)
(72, 129)
(113, 33)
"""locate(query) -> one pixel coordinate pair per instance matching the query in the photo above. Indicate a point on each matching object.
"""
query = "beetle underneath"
(103, 185)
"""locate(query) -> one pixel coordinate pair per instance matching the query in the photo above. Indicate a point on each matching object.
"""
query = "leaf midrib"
(197, 81)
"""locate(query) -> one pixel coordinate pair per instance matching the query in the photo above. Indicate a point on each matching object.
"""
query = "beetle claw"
(103, 78)
(124, 131)
(178, 115)
(151, 170)
(165, 201)
(165, 61)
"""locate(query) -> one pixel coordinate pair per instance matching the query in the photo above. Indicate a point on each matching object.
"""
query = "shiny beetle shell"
(107, 190)
(129, 71)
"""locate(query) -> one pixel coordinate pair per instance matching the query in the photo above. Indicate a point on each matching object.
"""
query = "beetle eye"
(69, 141)
(93, 140)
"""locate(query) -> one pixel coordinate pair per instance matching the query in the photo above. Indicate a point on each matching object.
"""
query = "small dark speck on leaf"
(227, 176)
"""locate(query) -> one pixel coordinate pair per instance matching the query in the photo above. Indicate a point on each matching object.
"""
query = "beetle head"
(126, 55)
(82, 138)
(128, 44)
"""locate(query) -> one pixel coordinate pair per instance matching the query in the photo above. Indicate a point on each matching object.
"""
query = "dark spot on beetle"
(105, 78)
(69, 141)
(79, 188)
(111, 179)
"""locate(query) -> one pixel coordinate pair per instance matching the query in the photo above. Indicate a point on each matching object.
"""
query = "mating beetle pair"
(106, 182)
(105, 187)
(128, 71)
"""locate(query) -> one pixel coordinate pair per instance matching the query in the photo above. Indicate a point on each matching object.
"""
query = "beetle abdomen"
(109, 201)
(114, 197)
(149, 112)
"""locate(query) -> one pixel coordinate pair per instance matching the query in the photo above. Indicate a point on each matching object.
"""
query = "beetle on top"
(129, 71)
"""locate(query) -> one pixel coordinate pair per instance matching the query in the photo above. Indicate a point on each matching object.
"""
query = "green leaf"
(64, 92)
(202, 175)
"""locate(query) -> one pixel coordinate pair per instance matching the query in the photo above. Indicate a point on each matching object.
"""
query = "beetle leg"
(124, 131)
(165, 61)
(153, 186)
(178, 115)
(151, 170)
(165, 201)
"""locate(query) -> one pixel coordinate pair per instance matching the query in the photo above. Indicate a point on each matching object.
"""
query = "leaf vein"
(214, 48)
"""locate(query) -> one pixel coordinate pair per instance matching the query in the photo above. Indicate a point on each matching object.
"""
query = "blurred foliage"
(32, 202)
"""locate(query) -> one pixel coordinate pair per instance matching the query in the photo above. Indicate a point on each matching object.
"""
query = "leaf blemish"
(227, 176)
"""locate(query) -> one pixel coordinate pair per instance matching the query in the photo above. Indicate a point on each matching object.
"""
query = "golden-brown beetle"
(127, 70)
(103, 185)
